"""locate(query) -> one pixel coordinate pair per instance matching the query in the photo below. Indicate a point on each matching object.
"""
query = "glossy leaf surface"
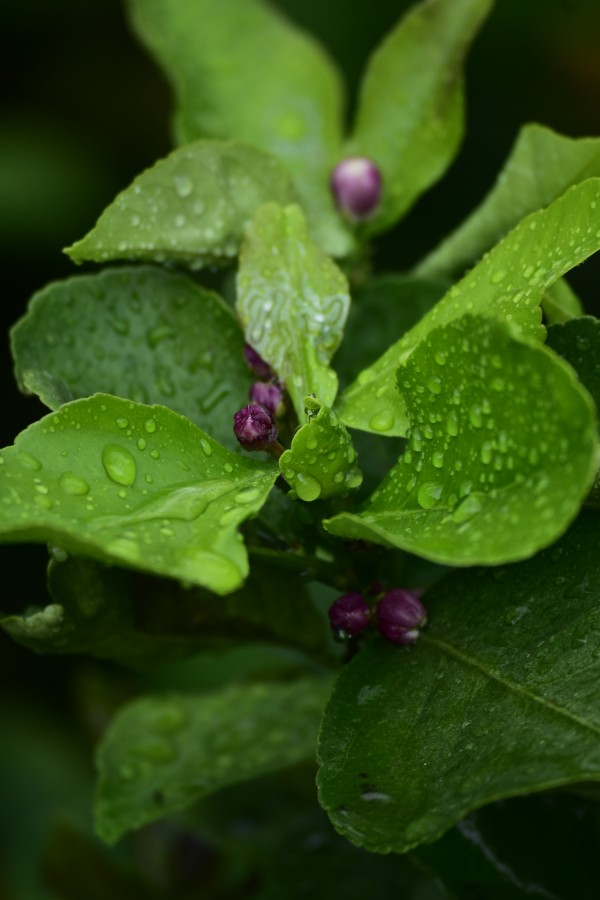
(498, 698)
(321, 461)
(578, 341)
(502, 450)
(242, 71)
(509, 283)
(411, 108)
(293, 302)
(189, 208)
(135, 485)
(149, 335)
(163, 753)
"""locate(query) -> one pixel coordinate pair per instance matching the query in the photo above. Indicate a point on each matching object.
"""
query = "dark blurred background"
(83, 111)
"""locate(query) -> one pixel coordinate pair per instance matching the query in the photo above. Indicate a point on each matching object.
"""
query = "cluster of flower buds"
(254, 425)
(398, 615)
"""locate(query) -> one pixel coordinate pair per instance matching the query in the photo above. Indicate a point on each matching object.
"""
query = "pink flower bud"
(356, 186)
(349, 615)
(400, 615)
(268, 395)
(256, 363)
(254, 427)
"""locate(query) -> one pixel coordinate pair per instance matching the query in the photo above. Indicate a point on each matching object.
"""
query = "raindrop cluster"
(398, 615)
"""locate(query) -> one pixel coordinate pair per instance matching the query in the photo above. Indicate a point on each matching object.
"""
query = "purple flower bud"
(356, 186)
(400, 615)
(254, 427)
(349, 615)
(268, 395)
(256, 363)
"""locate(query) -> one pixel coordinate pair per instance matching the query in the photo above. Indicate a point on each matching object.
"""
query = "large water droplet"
(119, 464)
(28, 461)
(382, 420)
(307, 487)
(247, 495)
(429, 494)
(150, 426)
(469, 507)
(73, 484)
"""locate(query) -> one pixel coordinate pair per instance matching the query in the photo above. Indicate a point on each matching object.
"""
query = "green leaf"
(189, 208)
(153, 336)
(560, 303)
(242, 71)
(502, 450)
(163, 753)
(141, 621)
(134, 485)
(321, 462)
(293, 302)
(509, 283)
(499, 698)
(541, 166)
(411, 111)
(578, 341)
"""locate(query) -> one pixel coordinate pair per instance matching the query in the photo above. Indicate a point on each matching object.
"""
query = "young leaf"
(578, 341)
(502, 450)
(242, 71)
(293, 302)
(321, 461)
(541, 166)
(411, 108)
(499, 698)
(508, 283)
(163, 753)
(189, 208)
(143, 333)
(136, 485)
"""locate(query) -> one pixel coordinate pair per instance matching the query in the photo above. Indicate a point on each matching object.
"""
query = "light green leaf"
(578, 341)
(502, 450)
(411, 111)
(242, 71)
(140, 332)
(189, 208)
(321, 462)
(293, 302)
(163, 753)
(499, 697)
(135, 485)
(142, 621)
(560, 303)
(541, 166)
(508, 283)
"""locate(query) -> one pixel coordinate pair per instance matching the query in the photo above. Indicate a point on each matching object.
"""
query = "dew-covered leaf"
(189, 208)
(500, 697)
(509, 283)
(560, 303)
(411, 108)
(578, 341)
(138, 332)
(502, 450)
(163, 753)
(321, 461)
(541, 166)
(142, 621)
(293, 302)
(135, 485)
(242, 71)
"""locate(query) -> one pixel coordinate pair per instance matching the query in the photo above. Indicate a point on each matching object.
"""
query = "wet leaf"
(502, 450)
(189, 208)
(578, 341)
(293, 302)
(498, 698)
(509, 284)
(242, 71)
(411, 108)
(163, 753)
(143, 333)
(135, 485)
(561, 303)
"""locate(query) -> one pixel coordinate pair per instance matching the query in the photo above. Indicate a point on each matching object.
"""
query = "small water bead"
(119, 464)
(382, 420)
(475, 416)
(141, 444)
(438, 459)
(122, 423)
(27, 461)
(247, 495)
(155, 454)
(150, 426)
(73, 484)
(435, 384)
(429, 494)
(206, 448)
(183, 185)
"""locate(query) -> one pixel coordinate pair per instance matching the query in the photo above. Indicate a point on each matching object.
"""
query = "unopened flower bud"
(356, 186)
(268, 395)
(400, 615)
(349, 615)
(256, 363)
(254, 427)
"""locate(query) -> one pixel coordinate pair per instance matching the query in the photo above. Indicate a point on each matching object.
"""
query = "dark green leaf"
(189, 208)
(242, 71)
(509, 283)
(321, 462)
(163, 753)
(142, 333)
(560, 303)
(541, 166)
(500, 697)
(293, 302)
(578, 341)
(502, 450)
(135, 485)
(411, 108)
